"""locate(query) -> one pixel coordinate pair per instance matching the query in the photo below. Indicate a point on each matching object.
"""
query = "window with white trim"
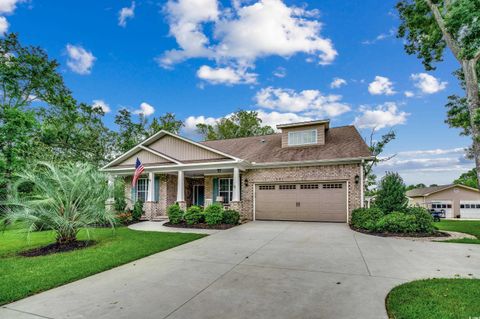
(306, 137)
(225, 189)
(142, 189)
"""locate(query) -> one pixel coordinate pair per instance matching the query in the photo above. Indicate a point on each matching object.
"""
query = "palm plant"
(63, 198)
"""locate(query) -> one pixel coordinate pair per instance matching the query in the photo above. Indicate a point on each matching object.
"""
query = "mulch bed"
(199, 226)
(419, 235)
(56, 248)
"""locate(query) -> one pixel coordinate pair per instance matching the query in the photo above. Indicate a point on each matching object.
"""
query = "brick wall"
(306, 173)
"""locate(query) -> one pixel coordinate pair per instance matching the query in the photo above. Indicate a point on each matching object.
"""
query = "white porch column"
(151, 187)
(236, 185)
(110, 200)
(180, 187)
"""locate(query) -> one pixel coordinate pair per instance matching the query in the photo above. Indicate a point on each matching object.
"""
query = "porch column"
(181, 190)
(109, 204)
(236, 185)
(151, 187)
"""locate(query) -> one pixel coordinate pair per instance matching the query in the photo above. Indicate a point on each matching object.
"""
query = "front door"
(198, 195)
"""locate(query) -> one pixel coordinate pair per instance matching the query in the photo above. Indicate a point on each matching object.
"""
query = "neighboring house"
(458, 201)
(308, 172)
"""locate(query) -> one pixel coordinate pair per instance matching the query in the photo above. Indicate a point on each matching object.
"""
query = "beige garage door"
(302, 202)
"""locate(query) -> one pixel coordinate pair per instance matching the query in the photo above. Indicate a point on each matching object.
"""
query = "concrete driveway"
(257, 270)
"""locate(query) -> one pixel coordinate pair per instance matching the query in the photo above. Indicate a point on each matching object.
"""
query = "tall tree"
(240, 124)
(429, 27)
(129, 133)
(167, 122)
(376, 147)
(26, 75)
(468, 179)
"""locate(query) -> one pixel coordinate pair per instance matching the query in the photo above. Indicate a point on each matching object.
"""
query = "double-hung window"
(142, 189)
(302, 137)
(225, 189)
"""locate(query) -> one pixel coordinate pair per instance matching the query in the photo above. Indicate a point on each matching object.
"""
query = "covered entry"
(302, 201)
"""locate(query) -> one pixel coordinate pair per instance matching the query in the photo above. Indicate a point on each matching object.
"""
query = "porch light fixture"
(357, 179)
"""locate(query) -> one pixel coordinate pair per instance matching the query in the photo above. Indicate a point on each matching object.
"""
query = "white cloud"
(338, 82)
(437, 151)
(126, 13)
(243, 33)
(380, 37)
(101, 104)
(280, 72)
(226, 75)
(409, 94)
(310, 101)
(145, 109)
(274, 118)
(79, 60)
(384, 115)
(427, 83)
(3, 25)
(9, 6)
(192, 121)
(381, 85)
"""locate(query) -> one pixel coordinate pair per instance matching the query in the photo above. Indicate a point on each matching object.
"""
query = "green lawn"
(435, 298)
(463, 226)
(24, 276)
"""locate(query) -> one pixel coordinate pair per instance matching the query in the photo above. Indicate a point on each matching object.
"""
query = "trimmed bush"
(137, 211)
(231, 216)
(193, 215)
(175, 214)
(124, 218)
(423, 219)
(366, 218)
(397, 222)
(391, 194)
(214, 214)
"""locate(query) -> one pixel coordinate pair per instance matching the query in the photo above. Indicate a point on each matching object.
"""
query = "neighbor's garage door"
(302, 202)
(470, 209)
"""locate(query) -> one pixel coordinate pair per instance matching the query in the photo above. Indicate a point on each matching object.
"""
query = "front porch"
(160, 189)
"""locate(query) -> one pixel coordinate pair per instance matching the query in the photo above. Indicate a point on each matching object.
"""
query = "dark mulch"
(56, 248)
(386, 234)
(199, 226)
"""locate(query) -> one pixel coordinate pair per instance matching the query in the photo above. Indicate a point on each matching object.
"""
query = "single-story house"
(458, 201)
(307, 172)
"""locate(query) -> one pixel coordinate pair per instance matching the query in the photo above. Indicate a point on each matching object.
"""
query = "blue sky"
(203, 59)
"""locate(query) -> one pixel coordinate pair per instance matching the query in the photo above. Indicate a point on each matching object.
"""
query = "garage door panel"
(312, 201)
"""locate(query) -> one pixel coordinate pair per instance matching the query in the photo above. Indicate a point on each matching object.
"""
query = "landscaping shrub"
(423, 219)
(391, 194)
(231, 216)
(119, 196)
(137, 211)
(397, 222)
(124, 218)
(366, 218)
(193, 215)
(175, 214)
(214, 214)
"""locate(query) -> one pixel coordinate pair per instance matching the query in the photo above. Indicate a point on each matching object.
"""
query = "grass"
(24, 276)
(435, 298)
(464, 226)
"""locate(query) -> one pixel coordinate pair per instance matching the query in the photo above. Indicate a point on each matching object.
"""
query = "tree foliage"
(391, 194)
(240, 124)
(468, 179)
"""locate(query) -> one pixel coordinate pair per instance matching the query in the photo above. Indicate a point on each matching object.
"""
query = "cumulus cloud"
(243, 33)
(227, 75)
(338, 82)
(9, 6)
(427, 83)
(79, 60)
(101, 104)
(311, 102)
(192, 121)
(126, 13)
(145, 109)
(381, 86)
(384, 115)
(3, 25)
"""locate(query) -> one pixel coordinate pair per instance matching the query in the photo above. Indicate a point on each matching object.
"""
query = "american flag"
(138, 171)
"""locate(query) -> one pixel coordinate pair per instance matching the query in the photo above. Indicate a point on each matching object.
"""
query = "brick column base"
(150, 210)
(236, 206)
(182, 205)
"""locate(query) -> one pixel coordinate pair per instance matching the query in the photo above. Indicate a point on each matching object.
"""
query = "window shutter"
(132, 194)
(215, 189)
(157, 188)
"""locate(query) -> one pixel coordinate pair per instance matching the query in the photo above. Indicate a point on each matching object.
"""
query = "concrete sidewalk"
(257, 270)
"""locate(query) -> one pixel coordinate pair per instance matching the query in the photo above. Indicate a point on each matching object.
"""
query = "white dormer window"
(302, 137)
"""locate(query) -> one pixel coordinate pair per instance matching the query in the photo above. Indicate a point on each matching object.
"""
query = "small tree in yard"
(391, 194)
(63, 198)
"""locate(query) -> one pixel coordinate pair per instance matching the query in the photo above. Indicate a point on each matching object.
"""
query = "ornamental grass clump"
(63, 198)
